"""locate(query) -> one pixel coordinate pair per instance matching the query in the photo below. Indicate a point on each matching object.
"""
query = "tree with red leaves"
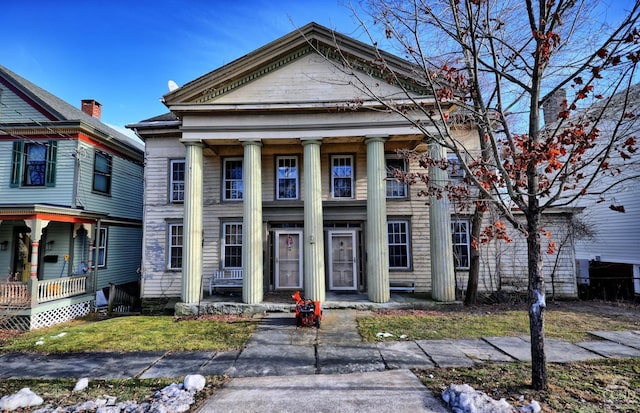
(495, 65)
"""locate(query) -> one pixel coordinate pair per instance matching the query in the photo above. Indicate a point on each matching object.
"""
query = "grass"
(423, 325)
(593, 386)
(136, 333)
(586, 387)
(59, 392)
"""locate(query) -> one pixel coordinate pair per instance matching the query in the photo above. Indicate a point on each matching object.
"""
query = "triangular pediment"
(306, 66)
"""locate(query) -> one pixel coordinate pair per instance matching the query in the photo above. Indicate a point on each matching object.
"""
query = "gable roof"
(308, 39)
(59, 110)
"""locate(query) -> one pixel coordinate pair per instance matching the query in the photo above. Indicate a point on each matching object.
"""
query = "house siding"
(61, 194)
(125, 198)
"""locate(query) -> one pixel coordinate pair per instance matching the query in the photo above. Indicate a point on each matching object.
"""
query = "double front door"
(341, 254)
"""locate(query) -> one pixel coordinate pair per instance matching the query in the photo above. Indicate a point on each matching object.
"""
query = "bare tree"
(494, 65)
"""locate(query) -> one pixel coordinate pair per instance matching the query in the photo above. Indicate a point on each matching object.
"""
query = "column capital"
(306, 141)
(193, 143)
(251, 141)
(375, 138)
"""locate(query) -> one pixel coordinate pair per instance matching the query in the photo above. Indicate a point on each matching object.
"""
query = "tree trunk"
(471, 296)
(536, 303)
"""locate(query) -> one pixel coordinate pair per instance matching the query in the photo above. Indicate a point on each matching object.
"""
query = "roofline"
(305, 35)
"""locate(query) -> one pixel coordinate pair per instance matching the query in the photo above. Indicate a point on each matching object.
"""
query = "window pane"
(233, 179)
(102, 173)
(287, 179)
(34, 166)
(342, 176)
(177, 181)
(176, 235)
(395, 188)
(232, 246)
(398, 235)
(461, 244)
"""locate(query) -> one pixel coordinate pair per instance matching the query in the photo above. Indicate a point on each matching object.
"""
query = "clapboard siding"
(123, 256)
(504, 264)
(125, 198)
(617, 235)
(61, 194)
(307, 79)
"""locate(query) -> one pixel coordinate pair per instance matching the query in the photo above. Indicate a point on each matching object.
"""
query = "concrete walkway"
(284, 368)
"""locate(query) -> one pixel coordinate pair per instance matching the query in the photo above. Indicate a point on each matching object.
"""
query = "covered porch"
(48, 252)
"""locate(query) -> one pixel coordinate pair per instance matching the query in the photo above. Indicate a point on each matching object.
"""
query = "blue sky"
(122, 53)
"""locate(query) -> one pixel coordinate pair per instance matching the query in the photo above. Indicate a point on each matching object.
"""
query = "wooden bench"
(402, 285)
(225, 279)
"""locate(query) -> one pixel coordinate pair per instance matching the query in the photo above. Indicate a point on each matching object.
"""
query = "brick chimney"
(92, 108)
(554, 105)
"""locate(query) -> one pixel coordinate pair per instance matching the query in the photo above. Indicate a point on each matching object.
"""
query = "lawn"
(137, 333)
(564, 322)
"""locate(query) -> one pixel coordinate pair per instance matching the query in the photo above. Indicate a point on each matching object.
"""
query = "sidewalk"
(284, 368)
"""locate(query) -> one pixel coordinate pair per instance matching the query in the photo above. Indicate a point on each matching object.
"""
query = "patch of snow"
(81, 384)
(23, 398)
(194, 382)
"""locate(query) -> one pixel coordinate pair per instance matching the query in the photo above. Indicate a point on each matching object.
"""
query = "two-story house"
(277, 167)
(70, 204)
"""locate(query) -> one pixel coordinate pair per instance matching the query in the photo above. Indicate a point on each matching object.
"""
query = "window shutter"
(50, 171)
(16, 165)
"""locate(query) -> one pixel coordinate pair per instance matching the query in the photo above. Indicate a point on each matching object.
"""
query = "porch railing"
(14, 293)
(50, 290)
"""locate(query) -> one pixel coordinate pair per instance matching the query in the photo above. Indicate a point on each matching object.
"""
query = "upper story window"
(102, 164)
(232, 179)
(232, 245)
(176, 239)
(287, 177)
(176, 181)
(455, 168)
(34, 164)
(395, 187)
(461, 243)
(342, 175)
(398, 236)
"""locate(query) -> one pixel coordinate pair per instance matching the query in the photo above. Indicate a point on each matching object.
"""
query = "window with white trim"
(232, 245)
(342, 176)
(461, 243)
(101, 258)
(176, 180)
(398, 238)
(395, 187)
(454, 168)
(232, 179)
(287, 177)
(176, 239)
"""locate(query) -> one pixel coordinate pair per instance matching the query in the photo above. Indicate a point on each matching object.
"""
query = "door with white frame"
(342, 260)
(288, 259)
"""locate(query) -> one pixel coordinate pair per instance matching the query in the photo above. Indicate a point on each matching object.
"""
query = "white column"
(442, 271)
(192, 249)
(314, 281)
(252, 290)
(377, 237)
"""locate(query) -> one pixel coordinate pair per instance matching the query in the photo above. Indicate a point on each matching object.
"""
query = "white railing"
(13, 293)
(50, 290)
